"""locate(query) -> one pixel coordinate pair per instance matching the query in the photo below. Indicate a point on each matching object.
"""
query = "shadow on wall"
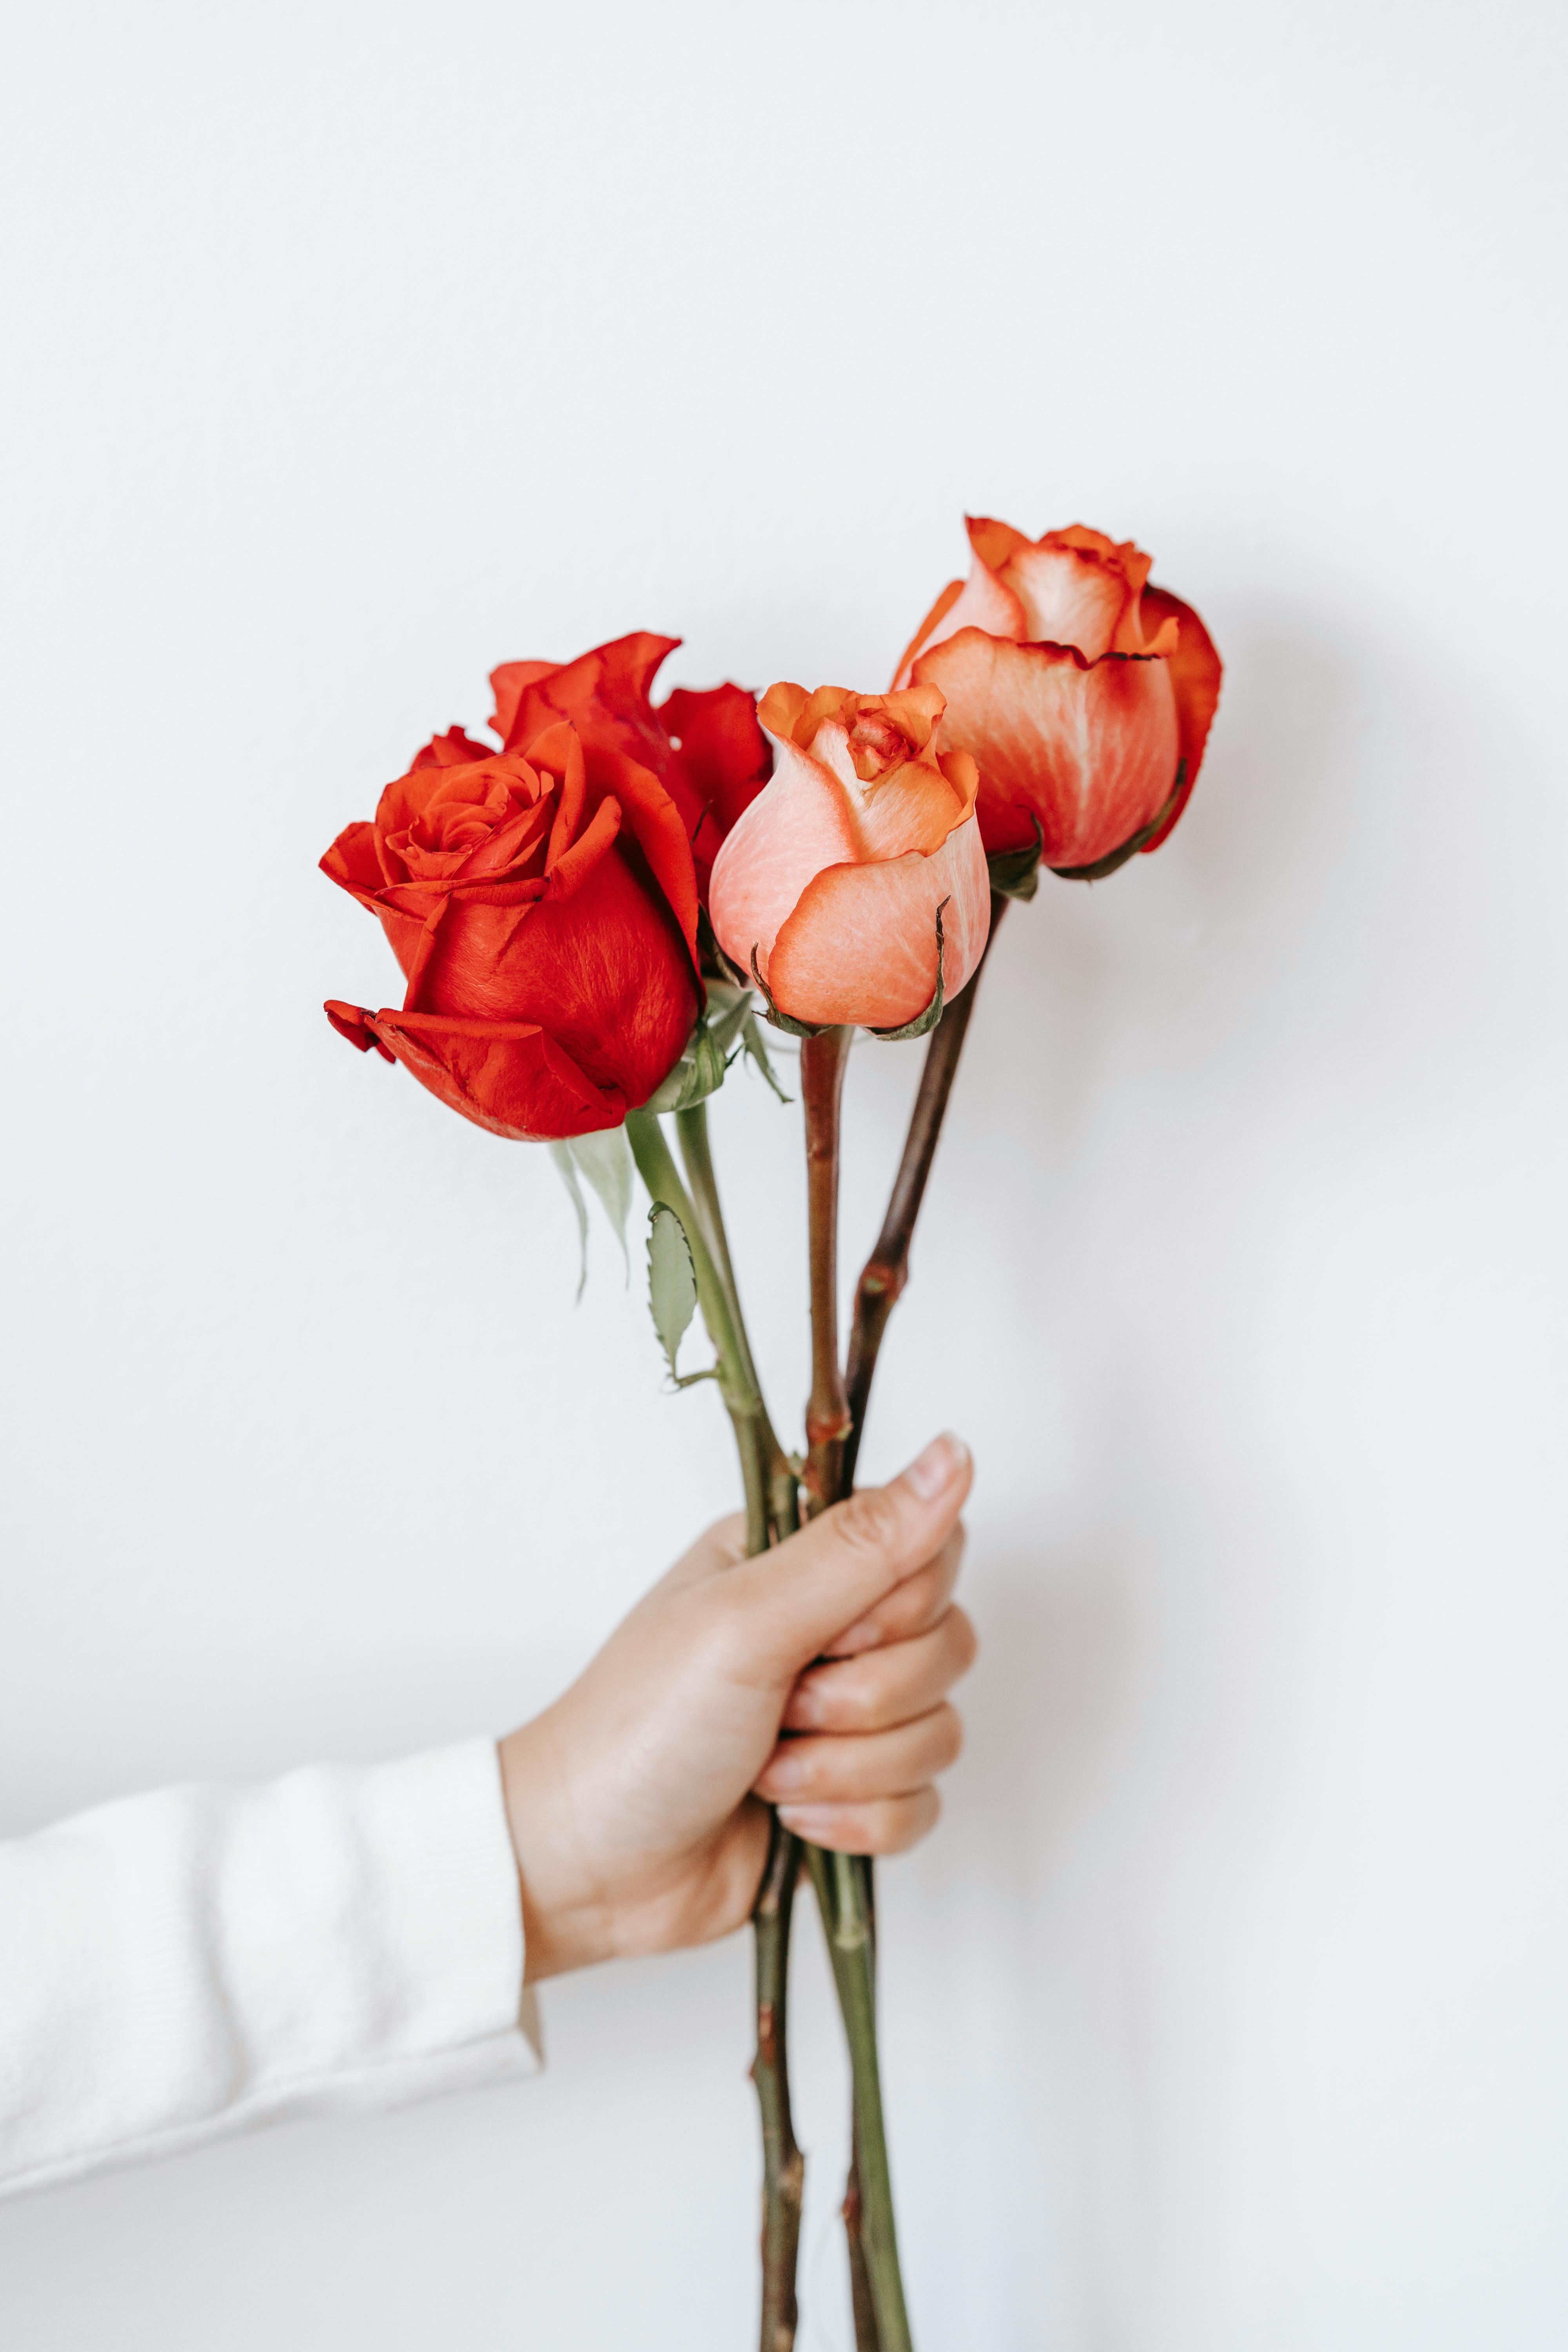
(1151, 1056)
(1331, 830)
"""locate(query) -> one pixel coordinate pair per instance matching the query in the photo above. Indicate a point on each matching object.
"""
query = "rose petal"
(610, 684)
(1195, 674)
(652, 818)
(605, 971)
(984, 602)
(510, 1077)
(1073, 596)
(803, 821)
(888, 911)
(722, 747)
(453, 750)
(1091, 748)
(353, 1022)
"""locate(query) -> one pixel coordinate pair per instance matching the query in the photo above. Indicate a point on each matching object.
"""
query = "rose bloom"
(1084, 695)
(543, 909)
(833, 877)
(706, 749)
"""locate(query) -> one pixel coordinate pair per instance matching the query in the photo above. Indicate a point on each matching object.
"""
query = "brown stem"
(827, 1423)
(881, 1283)
(887, 1269)
(842, 1882)
(784, 2167)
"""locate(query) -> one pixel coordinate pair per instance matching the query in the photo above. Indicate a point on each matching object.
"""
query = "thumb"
(790, 1601)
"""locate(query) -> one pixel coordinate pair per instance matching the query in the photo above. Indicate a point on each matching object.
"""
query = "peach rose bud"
(830, 886)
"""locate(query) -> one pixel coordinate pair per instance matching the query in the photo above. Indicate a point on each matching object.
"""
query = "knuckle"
(869, 1523)
(903, 1825)
(854, 1701)
(948, 1737)
(962, 1640)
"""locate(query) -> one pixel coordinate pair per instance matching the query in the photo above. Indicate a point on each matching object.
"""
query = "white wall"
(350, 349)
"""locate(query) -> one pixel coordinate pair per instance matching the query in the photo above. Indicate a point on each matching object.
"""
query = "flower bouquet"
(597, 919)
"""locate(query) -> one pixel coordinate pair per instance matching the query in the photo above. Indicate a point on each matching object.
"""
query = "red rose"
(862, 852)
(1084, 695)
(543, 909)
(706, 749)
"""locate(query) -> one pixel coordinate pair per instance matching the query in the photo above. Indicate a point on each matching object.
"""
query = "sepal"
(1015, 873)
(757, 1051)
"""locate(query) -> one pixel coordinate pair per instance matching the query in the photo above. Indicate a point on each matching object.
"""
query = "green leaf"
(927, 1020)
(1130, 848)
(1015, 873)
(757, 1051)
(606, 1160)
(671, 1279)
(561, 1155)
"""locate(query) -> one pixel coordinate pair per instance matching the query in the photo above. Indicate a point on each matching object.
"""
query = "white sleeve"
(202, 1959)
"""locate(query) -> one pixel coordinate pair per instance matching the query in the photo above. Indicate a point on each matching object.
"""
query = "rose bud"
(831, 887)
(1084, 695)
(706, 749)
(543, 909)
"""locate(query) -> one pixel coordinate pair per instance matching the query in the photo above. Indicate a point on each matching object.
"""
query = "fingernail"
(931, 1472)
(807, 1821)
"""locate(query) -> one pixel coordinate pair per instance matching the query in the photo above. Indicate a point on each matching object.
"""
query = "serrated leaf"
(561, 1155)
(606, 1160)
(671, 1280)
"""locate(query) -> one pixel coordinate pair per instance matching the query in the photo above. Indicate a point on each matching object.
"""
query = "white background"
(349, 349)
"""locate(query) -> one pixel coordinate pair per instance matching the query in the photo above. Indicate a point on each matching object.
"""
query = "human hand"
(636, 1800)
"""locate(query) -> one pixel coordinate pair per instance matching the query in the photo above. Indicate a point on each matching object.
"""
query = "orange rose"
(855, 879)
(1084, 695)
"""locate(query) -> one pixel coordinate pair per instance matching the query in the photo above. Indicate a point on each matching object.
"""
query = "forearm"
(184, 1964)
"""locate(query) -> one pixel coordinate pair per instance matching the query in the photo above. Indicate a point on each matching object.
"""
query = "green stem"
(772, 1508)
(842, 1896)
(691, 1126)
(737, 1380)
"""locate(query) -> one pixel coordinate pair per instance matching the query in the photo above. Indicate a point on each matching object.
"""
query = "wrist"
(563, 1926)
